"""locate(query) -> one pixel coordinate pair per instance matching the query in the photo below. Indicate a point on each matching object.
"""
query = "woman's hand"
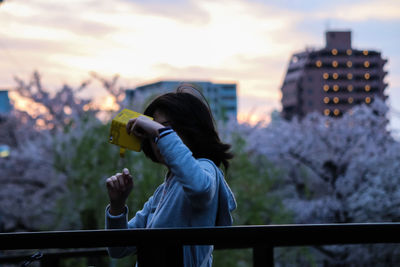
(143, 127)
(119, 187)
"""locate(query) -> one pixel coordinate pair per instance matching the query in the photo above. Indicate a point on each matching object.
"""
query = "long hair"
(191, 118)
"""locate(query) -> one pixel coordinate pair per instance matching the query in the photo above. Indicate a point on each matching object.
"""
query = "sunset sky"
(244, 41)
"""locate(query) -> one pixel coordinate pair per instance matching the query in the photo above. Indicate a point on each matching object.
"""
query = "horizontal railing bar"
(56, 254)
(221, 237)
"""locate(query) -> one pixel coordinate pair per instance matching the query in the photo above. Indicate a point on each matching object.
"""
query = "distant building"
(5, 106)
(333, 79)
(221, 96)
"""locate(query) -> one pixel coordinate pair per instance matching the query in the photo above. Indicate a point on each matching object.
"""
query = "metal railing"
(164, 247)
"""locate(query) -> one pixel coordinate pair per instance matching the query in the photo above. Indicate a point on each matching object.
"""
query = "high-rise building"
(220, 96)
(333, 79)
(5, 106)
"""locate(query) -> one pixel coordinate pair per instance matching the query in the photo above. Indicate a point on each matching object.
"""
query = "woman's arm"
(198, 177)
(121, 222)
(119, 187)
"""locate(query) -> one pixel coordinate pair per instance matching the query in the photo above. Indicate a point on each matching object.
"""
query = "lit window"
(349, 52)
(350, 100)
(335, 76)
(336, 88)
(326, 88)
(367, 76)
(326, 100)
(325, 75)
(349, 64)
(327, 112)
(367, 100)
(349, 87)
(334, 51)
(367, 88)
(336, 112)
(318, 63)
(335, 64)
(349, 76)
(336, 100)
(365, 52)
(366, 64)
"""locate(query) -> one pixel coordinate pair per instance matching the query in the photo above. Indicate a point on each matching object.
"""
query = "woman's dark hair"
(191, 117)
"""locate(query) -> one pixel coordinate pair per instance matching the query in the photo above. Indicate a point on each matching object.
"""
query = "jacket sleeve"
(198, 177)
(121, 222)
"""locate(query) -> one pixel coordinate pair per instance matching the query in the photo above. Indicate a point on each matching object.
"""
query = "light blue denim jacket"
(196, 195)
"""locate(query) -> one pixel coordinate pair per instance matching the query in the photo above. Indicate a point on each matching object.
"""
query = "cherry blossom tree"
(58, 130)
(30, 184)
(335, 170)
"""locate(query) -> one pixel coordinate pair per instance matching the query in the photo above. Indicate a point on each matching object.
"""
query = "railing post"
(170, 255)
(263, 256)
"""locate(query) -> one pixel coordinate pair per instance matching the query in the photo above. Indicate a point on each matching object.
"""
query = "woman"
(183, 137)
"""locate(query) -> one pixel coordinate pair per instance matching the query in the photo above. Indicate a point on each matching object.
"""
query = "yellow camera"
(118, 134)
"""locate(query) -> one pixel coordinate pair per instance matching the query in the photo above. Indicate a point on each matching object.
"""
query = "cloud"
(188, 12)
(384, 10)
(57, 16)
(355, 10)
(23, 46)
(237, 67)
(243, 41)
(222, 41)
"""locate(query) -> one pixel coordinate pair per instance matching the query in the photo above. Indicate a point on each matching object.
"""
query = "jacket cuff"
(163, 132)
(116, 221)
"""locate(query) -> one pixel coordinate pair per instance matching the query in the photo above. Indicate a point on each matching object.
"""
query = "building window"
(335, 64)
(367, 88)
(367, 76)
(349, 76)
(336, 112)
(327, 112)
(336, 88)
(326, 88)
(365, 52)
(231, 97)
(349, 87)
(335, 76)
(349, 52)
(350, 100)
(336, 100)
(325, 75)
(318, 63)
(349, 64)
(366, 64)
(326, 100)
(334, 51)
(367, 100)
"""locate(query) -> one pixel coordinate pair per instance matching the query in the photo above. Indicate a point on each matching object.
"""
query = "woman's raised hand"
(119, 187)
(143, 127)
